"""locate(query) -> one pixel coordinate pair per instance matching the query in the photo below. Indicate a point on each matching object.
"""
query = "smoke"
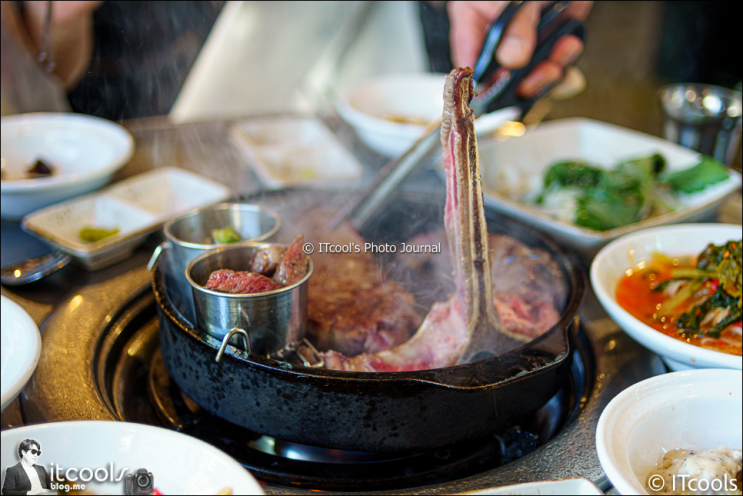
(525, 278)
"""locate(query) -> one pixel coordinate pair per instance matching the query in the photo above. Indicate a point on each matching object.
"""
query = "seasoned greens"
(721, 266)
(706, 173)
(628, 193)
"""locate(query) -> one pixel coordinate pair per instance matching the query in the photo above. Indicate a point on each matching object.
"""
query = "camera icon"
(140, 482)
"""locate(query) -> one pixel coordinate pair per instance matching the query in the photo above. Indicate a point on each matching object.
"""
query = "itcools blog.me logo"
(30, 477)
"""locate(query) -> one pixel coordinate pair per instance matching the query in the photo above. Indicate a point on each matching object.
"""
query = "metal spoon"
(33, 269)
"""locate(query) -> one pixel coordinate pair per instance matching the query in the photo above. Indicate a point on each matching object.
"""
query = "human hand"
(469, 23)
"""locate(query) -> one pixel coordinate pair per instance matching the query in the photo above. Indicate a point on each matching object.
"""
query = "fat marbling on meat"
(239, 282)
(453, 331)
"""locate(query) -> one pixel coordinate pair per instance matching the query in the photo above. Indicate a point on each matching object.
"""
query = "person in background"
(71, 31)
(122, 60)
(26, 477)
(30, 86)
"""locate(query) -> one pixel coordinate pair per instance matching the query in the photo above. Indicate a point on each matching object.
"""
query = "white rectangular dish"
(294, 151)
(136, 207)
(577, 486)
(514, 168)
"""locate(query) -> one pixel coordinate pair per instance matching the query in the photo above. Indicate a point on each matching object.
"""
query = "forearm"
(72, 35)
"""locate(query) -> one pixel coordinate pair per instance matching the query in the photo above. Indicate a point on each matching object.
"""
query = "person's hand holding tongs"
(558, 41)
(472, 23)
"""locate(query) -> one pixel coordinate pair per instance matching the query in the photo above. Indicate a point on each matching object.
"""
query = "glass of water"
(703, 117)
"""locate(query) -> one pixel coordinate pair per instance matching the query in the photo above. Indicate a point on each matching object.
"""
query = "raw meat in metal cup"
(288, 266)
(267, 260)
(293, 265)
(241, 282)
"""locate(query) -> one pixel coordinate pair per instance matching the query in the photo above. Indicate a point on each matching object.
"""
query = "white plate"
(367, 107)
(667, 412)
(179, 464)
(515, 167)
(84, 152)
(577, 485)
(137, 207)
(288, 152)
(21, 348)
(625, 253)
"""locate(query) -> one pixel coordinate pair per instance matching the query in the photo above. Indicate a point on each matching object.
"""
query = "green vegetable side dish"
(225, 235)
(706, 173)
(628, 193)
(94, 234)
(722, 265)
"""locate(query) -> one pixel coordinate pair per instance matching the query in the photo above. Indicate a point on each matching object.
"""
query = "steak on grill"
(455, 330)
(351, 307)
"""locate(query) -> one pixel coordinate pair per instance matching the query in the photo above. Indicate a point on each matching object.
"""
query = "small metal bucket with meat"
(192, 234)
(269, 322)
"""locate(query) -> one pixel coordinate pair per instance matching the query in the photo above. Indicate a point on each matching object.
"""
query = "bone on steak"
(455, 330)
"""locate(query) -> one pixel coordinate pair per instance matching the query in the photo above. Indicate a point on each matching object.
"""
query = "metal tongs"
(496, 89)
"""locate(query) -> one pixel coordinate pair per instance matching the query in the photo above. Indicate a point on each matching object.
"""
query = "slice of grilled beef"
(455, 330)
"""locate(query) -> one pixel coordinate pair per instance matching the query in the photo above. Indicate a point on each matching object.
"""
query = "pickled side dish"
(696, 300)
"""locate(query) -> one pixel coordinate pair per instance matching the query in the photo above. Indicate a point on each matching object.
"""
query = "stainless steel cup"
(271, 321)
(189, 236)
(704, 118)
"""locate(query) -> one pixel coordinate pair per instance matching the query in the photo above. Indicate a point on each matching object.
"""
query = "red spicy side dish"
(697, 300)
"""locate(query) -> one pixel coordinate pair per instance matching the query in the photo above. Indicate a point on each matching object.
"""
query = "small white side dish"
(83, 151)
(136, 206)
(292, 151)
(577, 485)
(627, 252)
(179, 464)
(670, 411)
(21, 348)
(372, 107)
(515, 167)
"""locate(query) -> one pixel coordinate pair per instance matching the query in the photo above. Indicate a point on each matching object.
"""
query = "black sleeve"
(435, 22)
(10, 486)
(46, 483)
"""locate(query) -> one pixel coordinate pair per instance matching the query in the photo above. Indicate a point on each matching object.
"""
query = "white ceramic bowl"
(84, 151)
(21, 348)
(670, 411)
(515, 168)
(367, 107)
(179, 464)
(626, 253)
